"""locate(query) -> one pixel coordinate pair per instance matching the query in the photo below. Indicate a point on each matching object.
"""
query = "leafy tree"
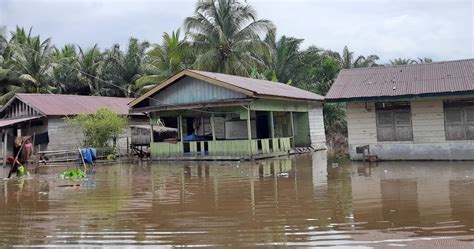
(99, 128)
(165, 60)
(226, 36)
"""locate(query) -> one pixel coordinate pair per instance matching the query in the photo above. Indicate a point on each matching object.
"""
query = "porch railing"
(221, 148)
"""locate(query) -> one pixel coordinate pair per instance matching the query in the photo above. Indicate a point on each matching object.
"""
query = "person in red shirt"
(16, 167)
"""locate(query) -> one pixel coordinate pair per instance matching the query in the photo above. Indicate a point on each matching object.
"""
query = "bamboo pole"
(82, 157)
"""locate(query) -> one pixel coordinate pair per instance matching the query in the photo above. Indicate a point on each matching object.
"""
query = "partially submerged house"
(221, 116)
(409, 112)
(42, 115)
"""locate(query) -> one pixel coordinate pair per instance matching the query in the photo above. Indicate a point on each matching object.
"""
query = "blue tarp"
(93, 153)
(87, 155)
(194, 138)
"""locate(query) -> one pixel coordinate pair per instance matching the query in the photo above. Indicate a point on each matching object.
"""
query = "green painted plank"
(193, 148)
(282, 106)
(265, 146)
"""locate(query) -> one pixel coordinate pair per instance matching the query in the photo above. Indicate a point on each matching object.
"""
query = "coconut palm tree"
(283, 55)
(424, 60)
(9, 78)
(122, 69)
(65, 76)
(402, 61)
(226, 35)
(89, 65)
(32, 60)
(347, 60)
(165, 60)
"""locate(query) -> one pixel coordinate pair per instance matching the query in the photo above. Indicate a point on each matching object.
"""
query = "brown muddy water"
(295, 202)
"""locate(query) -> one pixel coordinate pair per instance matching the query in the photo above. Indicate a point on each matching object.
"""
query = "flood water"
(295, 202)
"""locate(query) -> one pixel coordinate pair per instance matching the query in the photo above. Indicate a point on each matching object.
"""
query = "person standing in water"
(27, 151)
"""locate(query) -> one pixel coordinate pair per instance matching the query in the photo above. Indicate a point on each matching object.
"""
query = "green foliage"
(99, 128)
(73, 174)
(347, 61)
(408, 61)
(402, 61)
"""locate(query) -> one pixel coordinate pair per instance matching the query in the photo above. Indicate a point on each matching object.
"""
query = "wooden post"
(249, 131)
(292, 130)
(213, 128)
(272, 126)
(5, 144)
(151, 129)
(181, 135)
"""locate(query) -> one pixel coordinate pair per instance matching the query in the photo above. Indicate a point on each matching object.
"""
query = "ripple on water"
(219, 204)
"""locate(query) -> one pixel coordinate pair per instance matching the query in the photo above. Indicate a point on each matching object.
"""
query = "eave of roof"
(398, 97)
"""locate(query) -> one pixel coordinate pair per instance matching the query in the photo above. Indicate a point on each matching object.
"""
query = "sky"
(439, 29)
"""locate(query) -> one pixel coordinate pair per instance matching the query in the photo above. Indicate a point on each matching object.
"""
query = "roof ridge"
(385, 66)
(269, 81)
(73, 95)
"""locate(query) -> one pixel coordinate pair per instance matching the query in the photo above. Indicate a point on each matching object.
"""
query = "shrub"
(99, 128)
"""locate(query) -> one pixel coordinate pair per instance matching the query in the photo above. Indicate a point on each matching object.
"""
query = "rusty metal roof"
(62, 105)
(251, 87)
(448, 77)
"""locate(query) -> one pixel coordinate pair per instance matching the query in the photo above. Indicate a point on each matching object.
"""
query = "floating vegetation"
(73, 174)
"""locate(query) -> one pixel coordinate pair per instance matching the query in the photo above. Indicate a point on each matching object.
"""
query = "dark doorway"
(263, 129)
(189, 126)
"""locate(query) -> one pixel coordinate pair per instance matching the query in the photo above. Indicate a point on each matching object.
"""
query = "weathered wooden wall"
(191, 90)
(63, 136)
(429, 140)
(316, 127)
(302, 134)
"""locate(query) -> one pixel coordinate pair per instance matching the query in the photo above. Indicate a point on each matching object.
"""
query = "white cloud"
(442, 30)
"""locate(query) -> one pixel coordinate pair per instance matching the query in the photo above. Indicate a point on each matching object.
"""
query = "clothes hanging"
(42, 138)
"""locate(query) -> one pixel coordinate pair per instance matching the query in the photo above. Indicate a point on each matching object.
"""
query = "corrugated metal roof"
(262, 87)
(8, 122)
(404, 80)
(62, 105)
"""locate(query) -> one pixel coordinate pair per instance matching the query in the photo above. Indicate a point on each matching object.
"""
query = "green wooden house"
(227, 117)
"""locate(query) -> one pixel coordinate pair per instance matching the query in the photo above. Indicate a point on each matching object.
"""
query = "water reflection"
(298, 201)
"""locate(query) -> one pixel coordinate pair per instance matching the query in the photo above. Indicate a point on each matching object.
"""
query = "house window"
(394, 121)
(459, 120)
